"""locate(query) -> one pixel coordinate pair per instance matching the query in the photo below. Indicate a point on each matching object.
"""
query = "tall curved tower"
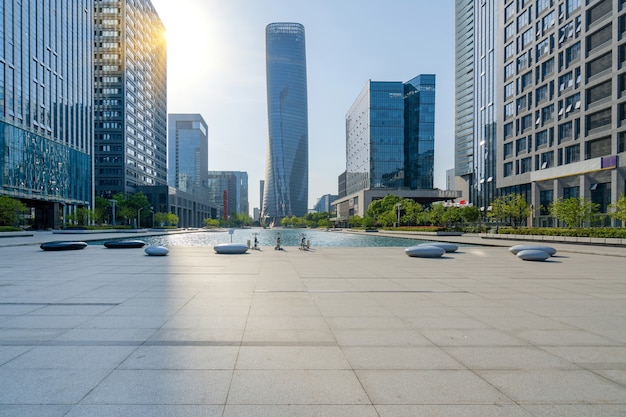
(287, 162)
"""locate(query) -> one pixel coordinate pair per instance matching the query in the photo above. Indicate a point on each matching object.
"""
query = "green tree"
(161, 219)
(100, 211)
(512, 207)
(574, 211)
(470, 213)
(211, 223)
(355, 221)
(10, 209)
(619, 208)
(435, 215)
(384, 205)
(172, 219)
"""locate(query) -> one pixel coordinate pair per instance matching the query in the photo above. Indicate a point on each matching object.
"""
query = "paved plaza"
(334, 332)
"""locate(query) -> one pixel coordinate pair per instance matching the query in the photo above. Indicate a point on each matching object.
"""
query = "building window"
(526, 122)
(541, 94)
(599, 92)
(545, 199)
(509, 110)
(508, 169)
(597, 12)
(572, 54)
(525, 165)
(508, 130)
(509, 90)
(572, 103)
(571, 192)
(543, 48)
(509, 31)
(599, 65)
(541, 139)
(547, 113)
(565, 132)
(598, 147)
(599, 38)
(509, 51)
(572, 154)
(566, 81)
(547, 159)
(600, 119)
(525, 81)
(508, 150)
(509, 71)
(520, 146)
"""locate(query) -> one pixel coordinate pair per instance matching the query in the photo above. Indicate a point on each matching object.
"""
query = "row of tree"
(510, 209)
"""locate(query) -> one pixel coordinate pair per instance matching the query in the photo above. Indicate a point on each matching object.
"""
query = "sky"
(216, 67)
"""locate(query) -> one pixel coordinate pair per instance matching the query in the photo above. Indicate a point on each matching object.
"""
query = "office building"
(419, 132)
(228, 190)
(188, 153)
(562, 87)
(476, 100)
(390, 145)
(130, 98)
(324, 203)
(286, 169)
(46, 96)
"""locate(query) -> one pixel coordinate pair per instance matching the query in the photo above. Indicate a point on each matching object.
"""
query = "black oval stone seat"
(63, 245)
(124, 244)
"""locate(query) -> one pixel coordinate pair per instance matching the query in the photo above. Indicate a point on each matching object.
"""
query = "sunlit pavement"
(327, 332)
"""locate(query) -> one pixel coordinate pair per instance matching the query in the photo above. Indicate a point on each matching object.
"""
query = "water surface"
(288, 237)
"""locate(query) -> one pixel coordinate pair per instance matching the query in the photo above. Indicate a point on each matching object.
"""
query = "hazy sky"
(216, 67)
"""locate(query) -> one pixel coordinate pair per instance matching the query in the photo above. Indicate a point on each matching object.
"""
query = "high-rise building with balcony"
(130, 97)
(46, 96)
(562, 101)
(286, 167)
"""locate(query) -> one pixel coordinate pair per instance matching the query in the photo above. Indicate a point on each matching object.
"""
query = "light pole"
(139, 217)
(398, 205)
(113, 202)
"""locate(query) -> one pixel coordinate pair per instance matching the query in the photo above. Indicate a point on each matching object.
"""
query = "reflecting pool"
(288, 237)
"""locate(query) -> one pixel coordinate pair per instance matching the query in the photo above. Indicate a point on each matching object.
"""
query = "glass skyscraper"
(130, 97)
(188, 153)
(390, 136)
(286, 169)
(419, 132)
(46, 94)
(375, 138)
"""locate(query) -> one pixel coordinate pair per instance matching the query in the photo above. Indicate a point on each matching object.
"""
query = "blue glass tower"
(375, 138)
(419, 127)
(390, 136)
(286, 170)
(188, 153)
(46, 114)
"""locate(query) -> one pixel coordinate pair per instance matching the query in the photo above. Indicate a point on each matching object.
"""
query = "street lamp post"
(113, 202)
(139, 217)
(398, 205)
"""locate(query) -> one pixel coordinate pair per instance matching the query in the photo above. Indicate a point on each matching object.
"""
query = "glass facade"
(232, 185)
(390, 136)
(287, 171)
(46, 122)
(464, 89)
(375, 138)
(130, 97)
(419, 125)
(188, 153)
